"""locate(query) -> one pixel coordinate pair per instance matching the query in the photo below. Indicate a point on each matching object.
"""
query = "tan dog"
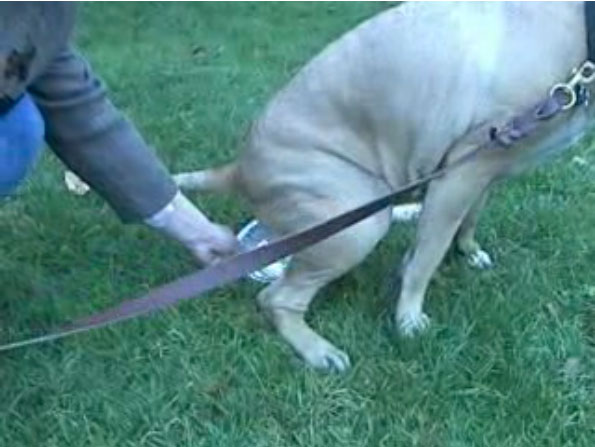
(382, 106)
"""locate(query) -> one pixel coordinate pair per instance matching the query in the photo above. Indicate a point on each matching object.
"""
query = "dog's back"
(395, 92)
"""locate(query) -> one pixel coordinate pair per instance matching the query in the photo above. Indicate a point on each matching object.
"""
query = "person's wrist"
(184, 222)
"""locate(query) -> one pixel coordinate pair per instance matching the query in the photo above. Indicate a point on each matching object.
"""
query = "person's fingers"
(217, 243)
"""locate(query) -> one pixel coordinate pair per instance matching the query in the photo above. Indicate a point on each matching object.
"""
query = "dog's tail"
(222, 179)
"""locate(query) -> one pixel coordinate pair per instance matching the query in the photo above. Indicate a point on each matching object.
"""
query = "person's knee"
(21, 140)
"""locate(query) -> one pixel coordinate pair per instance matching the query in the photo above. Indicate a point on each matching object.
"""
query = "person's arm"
(100, 145)
(97, 142)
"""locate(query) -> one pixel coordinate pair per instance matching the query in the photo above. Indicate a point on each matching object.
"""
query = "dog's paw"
(406, 212)
(324, 356)
(411, 324)
(480, 259)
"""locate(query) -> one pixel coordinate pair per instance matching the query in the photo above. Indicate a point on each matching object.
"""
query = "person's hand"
(215, 242)
(182, 221)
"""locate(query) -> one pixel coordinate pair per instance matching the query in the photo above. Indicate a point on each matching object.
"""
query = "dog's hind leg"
(447, 202)
(286, 301)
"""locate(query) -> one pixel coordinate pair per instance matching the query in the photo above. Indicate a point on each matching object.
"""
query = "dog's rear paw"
(406, 212)
(411, 324)
(480, 259)
(324, 356)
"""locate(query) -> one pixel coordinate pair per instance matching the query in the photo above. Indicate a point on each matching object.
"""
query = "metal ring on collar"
(565, 94)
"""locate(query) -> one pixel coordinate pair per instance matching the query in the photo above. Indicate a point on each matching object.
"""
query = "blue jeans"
(21, 140)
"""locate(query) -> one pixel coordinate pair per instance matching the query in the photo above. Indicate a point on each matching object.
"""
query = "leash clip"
(567, 92)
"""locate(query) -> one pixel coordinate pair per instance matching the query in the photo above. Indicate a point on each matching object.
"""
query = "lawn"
(510, 357)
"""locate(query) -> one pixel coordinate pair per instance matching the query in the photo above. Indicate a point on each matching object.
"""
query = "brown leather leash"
(561, 98)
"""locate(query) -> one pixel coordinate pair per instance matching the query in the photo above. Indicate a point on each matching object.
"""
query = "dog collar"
(590, 26)
(583, 93)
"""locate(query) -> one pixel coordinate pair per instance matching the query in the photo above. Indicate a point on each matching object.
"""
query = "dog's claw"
(480, 260)
(327, 358)
(412, 324)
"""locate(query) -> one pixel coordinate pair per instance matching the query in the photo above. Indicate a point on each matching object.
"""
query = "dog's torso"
(395, 94)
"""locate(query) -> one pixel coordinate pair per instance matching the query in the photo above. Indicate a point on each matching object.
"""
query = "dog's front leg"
(465, 242)
(447, 202)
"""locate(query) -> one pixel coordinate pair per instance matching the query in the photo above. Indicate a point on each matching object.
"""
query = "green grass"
(509, 360)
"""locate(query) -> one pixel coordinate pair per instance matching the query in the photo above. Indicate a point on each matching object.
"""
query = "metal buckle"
(567, 92)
